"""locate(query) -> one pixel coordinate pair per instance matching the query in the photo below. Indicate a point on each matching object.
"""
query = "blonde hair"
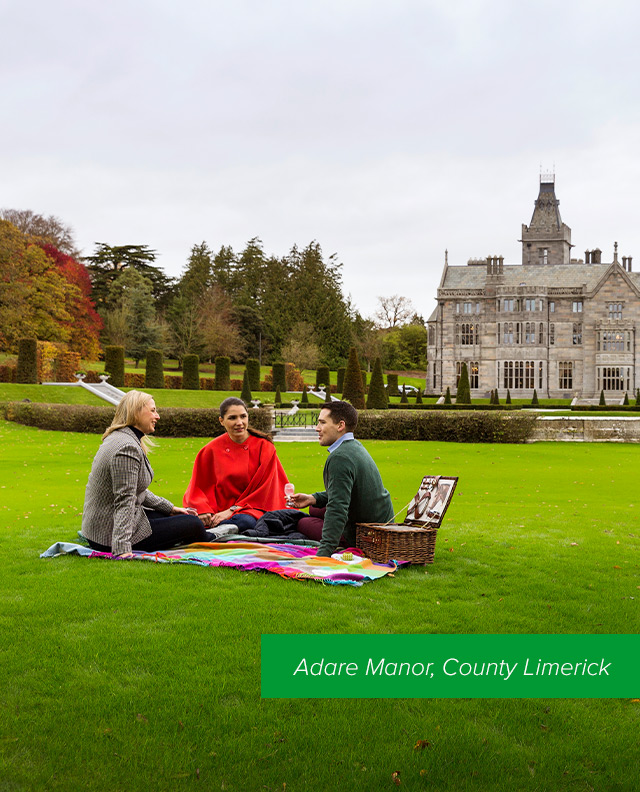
(127, 413)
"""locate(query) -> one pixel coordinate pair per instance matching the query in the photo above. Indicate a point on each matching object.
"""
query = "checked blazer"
(117, 494)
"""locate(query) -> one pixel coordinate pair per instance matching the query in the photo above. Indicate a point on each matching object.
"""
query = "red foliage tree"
(86, 324)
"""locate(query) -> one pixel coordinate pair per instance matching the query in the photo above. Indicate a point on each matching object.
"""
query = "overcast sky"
(388, 131)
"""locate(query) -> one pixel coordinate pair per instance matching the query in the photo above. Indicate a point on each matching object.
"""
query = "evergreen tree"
(246, 390)
(403, 398)
(496, 397)
(278, 375)
(508, 399)
(534, 400)
(638, 397)
(603, 403)
(278, 398)
(447, 396)
(377, 398)
(341, 372)
(196, 277)
(626, 398)
(305, 396)
(353, 387)
(392, 384)
(463, 395)
(27, 371)
(223, 373)
(419, 397)
(114, 365)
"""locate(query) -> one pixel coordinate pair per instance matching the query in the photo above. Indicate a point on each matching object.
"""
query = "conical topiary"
(626, 398)
(403, 398)
(353, 388)
(508, 399)
(534, 399)
(278, 397)
(419, 397)
(496, 397)
(377, 398)
(638, 397)
(603, 403)
(447, 396)
(246, 389)
(305, 396)
(463, 395)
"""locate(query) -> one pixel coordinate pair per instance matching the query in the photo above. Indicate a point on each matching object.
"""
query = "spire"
(546, 240)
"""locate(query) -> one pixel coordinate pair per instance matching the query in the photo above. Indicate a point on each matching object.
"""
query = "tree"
(85, 323)
(377, 398)
(196, 278)
(603, 402)
(534, 399)
(405, 348)
(45, 230)
(367, 339)
(219, 335)
(131, 296)
(246, 390)
(301, 349)
(353, 388)
(463, 395)
(394, 311)
(447, 396)
(108, 263)
(33, 292)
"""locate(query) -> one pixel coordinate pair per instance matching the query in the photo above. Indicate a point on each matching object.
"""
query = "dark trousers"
(167, 530)
(243, 522)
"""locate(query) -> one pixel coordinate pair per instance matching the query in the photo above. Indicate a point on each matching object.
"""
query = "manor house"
(564, 326)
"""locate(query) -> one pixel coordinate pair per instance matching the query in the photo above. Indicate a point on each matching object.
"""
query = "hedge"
(154, 373)
(8, 373)
(27, 371)
(632, 408)
(252, 367)
(114, 365)
(191, 372)
(223, 375)
(175, 421)
(465, 427)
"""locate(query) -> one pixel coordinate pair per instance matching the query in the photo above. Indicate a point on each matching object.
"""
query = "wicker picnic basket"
(414, 540)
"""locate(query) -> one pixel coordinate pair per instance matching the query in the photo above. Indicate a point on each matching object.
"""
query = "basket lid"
(430, 503)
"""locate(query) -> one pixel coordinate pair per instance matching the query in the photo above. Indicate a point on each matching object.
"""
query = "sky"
(388, 131)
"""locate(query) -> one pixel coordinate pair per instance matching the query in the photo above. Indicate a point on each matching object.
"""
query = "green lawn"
(129, 676)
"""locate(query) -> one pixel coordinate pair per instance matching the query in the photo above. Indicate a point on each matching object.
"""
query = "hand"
(206, 519)
(180, 510)
(300, 500)
(221, 517)
(125, 555)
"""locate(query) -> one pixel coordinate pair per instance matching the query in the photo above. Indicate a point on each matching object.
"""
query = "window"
(565, 375)
(543, 255)
(530, 333)
(467, 336)
(432, 335)
(540, 305)
(507, 305)
(552, 307)
(577, 306)
(529, 305)
(507, 333)
(552, 334)
(541, 334)
(468, 307)
(457, 308)
(577, 333)
(615, 378)
(474, 377)
(612, 341)
(540, 375)
(529, 375)
(615, 310)
(518, 332)
(477, 307)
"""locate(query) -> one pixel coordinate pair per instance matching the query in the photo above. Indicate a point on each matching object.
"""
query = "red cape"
(246, 474)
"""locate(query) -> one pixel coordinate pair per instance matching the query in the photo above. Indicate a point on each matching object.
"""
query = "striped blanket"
(288, 561)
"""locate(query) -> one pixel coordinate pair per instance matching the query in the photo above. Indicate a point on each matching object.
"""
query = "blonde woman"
(120, 513)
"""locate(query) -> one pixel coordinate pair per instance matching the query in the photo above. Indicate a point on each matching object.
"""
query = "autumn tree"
(302, 348)
(45, 230)
(34, 294)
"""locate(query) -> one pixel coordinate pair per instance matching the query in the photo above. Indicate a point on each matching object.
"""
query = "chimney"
(501, 265)
(587, 257)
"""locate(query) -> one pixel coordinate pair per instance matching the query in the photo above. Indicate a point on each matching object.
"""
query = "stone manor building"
(564, 326)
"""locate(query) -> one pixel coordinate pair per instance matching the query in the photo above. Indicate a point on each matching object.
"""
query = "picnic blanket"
(288, 561)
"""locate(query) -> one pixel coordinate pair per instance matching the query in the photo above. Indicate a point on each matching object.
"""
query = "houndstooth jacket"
(117, 494)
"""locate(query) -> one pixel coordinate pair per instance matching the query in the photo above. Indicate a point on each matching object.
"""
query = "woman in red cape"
(237, 477)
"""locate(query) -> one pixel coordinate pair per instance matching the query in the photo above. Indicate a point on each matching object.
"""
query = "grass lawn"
(131, 676)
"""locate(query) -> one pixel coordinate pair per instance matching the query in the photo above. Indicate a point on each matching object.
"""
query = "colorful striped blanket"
(288, 561)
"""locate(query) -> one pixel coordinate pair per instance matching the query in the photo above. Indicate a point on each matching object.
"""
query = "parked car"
(409, 389)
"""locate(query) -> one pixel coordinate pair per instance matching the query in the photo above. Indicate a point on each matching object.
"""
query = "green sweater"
(353, 493)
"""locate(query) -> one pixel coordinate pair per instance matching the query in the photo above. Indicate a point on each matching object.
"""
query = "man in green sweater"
(354, 492)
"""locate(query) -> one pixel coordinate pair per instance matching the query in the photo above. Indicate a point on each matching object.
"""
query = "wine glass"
(289, 489)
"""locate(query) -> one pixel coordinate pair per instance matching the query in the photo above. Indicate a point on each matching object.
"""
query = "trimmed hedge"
(632, 408)
(223, 373)
(278, 377)
(154, 372)
(27, 371)
(245, 395)
(252, 367)
(191, 372)
(175, 421)
(323, 376)
(392, 383)
(8, 373)
(467, 427)
(114, 365)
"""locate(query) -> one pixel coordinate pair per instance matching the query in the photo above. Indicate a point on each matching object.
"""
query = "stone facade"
(566, 327)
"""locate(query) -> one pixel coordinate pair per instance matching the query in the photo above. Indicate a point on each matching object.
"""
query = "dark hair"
(342, 411)
(234, 401)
